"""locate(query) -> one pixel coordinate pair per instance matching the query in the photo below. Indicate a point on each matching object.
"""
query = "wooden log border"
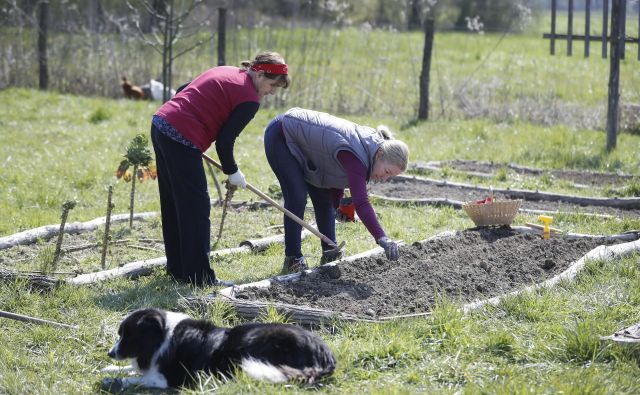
(46, 232)
(439, 165)
(457, 204)
(622, 203)
(137, 268)
(313, 316)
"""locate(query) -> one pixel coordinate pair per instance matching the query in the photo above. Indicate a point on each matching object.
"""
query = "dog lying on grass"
(170, 348)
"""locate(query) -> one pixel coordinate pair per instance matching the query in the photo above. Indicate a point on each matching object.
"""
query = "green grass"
(55, 148)
(542, 342)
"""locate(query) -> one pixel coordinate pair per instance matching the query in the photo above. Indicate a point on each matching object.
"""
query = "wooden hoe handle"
(279, 207)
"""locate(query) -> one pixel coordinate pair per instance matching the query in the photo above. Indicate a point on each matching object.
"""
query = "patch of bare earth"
(406, 189)
(473, 264)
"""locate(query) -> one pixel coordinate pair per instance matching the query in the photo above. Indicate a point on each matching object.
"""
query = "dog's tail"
(261, 370)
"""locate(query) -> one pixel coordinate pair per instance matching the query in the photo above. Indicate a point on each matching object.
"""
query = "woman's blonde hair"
(283, 80)
(394, 152)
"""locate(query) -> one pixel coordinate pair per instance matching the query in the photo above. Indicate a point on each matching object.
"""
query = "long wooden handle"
(25, 318)
(278, 206)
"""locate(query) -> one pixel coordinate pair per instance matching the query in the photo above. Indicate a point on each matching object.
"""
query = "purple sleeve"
(357, 176)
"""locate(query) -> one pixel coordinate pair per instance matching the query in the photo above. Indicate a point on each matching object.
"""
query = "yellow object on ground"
(546, 220)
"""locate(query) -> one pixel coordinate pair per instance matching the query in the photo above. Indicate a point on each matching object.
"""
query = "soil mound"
(473, 264)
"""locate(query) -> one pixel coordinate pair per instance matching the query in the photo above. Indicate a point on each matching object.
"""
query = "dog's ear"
(152, 321)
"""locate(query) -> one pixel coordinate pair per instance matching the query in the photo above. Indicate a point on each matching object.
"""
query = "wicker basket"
(498, 212)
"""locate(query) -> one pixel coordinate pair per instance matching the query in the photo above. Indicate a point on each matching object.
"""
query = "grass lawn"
(58, 147)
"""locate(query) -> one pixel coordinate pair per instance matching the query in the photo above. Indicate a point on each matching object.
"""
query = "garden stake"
(33, 320)
(66, 207)
(225, 205)
(288, 213)
(107, 223)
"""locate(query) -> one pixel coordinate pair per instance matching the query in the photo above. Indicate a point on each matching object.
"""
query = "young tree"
(139, 157)
(171, 28)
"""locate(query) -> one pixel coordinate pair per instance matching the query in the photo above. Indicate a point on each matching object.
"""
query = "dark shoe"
(331, 255)
(210, 281)
(293, 265)
(221, 283)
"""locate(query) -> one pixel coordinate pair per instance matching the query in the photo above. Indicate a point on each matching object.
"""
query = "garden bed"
(132, 251)
(488, 169)
(403, 189)
(465, 266)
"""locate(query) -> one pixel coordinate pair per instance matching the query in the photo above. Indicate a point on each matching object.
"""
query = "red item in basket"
(483, 201)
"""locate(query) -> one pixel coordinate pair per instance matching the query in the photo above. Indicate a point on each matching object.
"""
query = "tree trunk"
(413, 20)
(133, 194)
(167, 53)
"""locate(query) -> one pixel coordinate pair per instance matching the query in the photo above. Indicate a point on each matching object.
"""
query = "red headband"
(271, 68)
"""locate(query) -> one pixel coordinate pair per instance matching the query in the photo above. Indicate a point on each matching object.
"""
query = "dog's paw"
(117, 369)
(111, 369)
(112, 385)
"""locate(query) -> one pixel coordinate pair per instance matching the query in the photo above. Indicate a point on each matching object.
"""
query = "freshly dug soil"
(402, 188)
(473, 264)
(598, 179)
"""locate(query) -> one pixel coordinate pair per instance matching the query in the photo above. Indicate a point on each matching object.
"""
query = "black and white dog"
(170, 348)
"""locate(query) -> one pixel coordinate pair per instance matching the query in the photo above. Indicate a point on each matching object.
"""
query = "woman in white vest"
(318, 155)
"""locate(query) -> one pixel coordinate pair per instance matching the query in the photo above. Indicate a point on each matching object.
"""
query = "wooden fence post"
(617, 46)
(222, 35)
(43, 31)
(423, 110)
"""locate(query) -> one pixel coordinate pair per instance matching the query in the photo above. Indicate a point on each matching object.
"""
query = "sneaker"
(293, 265)
(331, 255)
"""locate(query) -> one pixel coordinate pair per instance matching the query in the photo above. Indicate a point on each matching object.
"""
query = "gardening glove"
(390, 248)
(237, 179)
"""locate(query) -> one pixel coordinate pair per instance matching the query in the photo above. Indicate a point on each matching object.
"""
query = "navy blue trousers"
(185, 208)
(295, 190)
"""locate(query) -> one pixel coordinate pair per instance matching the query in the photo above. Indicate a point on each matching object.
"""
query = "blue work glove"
(390, 248)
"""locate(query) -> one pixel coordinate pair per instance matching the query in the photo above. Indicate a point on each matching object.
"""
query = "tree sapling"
(138, 156)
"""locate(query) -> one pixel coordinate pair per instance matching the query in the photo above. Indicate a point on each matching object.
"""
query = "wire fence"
(355, 70)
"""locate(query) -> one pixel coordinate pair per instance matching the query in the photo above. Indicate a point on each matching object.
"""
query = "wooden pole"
(423, 109)
(570, 30)
(222, 35)
(622, 19)
(107, 226)
(552, 42)
(587, 27)
(277, 205)
(43, 31)
(33, 320)
(605, 26)
(614, 75)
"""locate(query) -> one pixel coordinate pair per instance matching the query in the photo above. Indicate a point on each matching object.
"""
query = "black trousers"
(185, 208)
